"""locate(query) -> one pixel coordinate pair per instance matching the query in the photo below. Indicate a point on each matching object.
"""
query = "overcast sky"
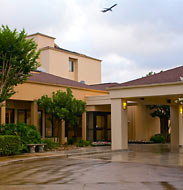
(139, 36)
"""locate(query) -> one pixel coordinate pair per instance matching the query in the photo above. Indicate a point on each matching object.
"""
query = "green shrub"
(72, 140)
(168, 138)
(9, 145)
(50, 145)
(83, 143)
(27, 133)
(158, 138)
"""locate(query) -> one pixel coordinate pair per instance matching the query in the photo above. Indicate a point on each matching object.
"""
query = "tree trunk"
(75, 130)
(164, 127)
(59, 133)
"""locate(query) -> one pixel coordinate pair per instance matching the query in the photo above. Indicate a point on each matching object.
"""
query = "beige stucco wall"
(89, 70)
(42, 41)
(145, 125)
(30, 91)
(45, 60)
(18, 104)
(168, 90)
(57, 62)
(101, 108)
(131, 123)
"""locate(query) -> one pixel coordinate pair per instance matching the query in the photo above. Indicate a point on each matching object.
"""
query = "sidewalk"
(135, 153)
(66, 153)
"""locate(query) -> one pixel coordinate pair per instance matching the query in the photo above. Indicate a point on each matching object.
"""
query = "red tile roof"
(104, 86)
(53, 79)
(169, 76)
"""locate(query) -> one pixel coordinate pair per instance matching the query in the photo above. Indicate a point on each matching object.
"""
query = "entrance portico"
(119, 124)
(164, 88)
(177, 126)
(165, 94)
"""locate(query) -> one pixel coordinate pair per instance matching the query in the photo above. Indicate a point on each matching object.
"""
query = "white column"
(16, 116)
(176, 117)
(84, 126)
(63, 139)
(43, 124)
(180, 125)
(3, 113)
(34, 114)
(119, 125)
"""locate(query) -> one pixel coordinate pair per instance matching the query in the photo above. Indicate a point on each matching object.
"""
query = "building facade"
(105, 119)
(65, 63)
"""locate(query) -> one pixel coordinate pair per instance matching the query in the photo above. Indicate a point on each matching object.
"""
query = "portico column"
(43, 124)
(119, 125)
(3, 113)
(84, 126)
(16, 116)
(176, 117)
(34, 113)
(63, 132)
(181, 125)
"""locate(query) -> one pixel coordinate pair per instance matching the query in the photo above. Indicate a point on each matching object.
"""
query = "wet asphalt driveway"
(143, 167)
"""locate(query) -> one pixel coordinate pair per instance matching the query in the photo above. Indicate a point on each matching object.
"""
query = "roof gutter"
(145, 85)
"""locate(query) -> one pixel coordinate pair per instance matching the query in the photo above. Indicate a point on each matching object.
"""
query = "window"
(71, 66)
(24, 116)
(9, 115)
(49, 125)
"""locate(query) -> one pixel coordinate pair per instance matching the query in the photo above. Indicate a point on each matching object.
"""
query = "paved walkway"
(67, 153)
(152, 154)
(144, 153)
(142, 167)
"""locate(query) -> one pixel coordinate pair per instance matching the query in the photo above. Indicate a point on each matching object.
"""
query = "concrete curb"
(60, 155)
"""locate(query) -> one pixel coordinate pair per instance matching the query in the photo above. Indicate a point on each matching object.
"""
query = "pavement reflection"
(142, 167)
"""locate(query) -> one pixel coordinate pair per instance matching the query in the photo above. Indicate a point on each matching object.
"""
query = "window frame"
(71, 65)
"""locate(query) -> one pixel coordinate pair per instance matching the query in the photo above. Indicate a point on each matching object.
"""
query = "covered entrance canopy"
(164, 88)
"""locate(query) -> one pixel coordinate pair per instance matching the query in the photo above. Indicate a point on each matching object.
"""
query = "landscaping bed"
(140, 142)
(101, 143)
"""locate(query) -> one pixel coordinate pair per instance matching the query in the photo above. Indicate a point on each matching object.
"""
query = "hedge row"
(9, 145)
(28, 134)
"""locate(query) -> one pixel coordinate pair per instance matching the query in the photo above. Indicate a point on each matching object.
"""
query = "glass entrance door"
(102, 126)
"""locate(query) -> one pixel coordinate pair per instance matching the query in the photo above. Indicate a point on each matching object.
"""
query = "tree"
(161, 111)
(77, 108)
(18, 57)
(150, 73)
(62, 106)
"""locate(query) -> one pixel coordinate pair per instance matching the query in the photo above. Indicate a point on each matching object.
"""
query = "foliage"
(63, 106)
(163, 112)
(160, 111)
(18, 57)
(158, 138)
(83, 143)
(101, 143)
(150, 73)
(9, 145)
(72, 140)
(27, 133)
(49, 144)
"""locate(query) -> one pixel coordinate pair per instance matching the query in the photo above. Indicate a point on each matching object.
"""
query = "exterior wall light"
(180, 109)
(124, 104)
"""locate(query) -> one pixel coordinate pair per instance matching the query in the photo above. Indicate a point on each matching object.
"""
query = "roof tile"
(169, 76)
(53, 79)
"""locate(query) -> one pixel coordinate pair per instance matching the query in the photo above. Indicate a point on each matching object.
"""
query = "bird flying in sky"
(108, 9)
